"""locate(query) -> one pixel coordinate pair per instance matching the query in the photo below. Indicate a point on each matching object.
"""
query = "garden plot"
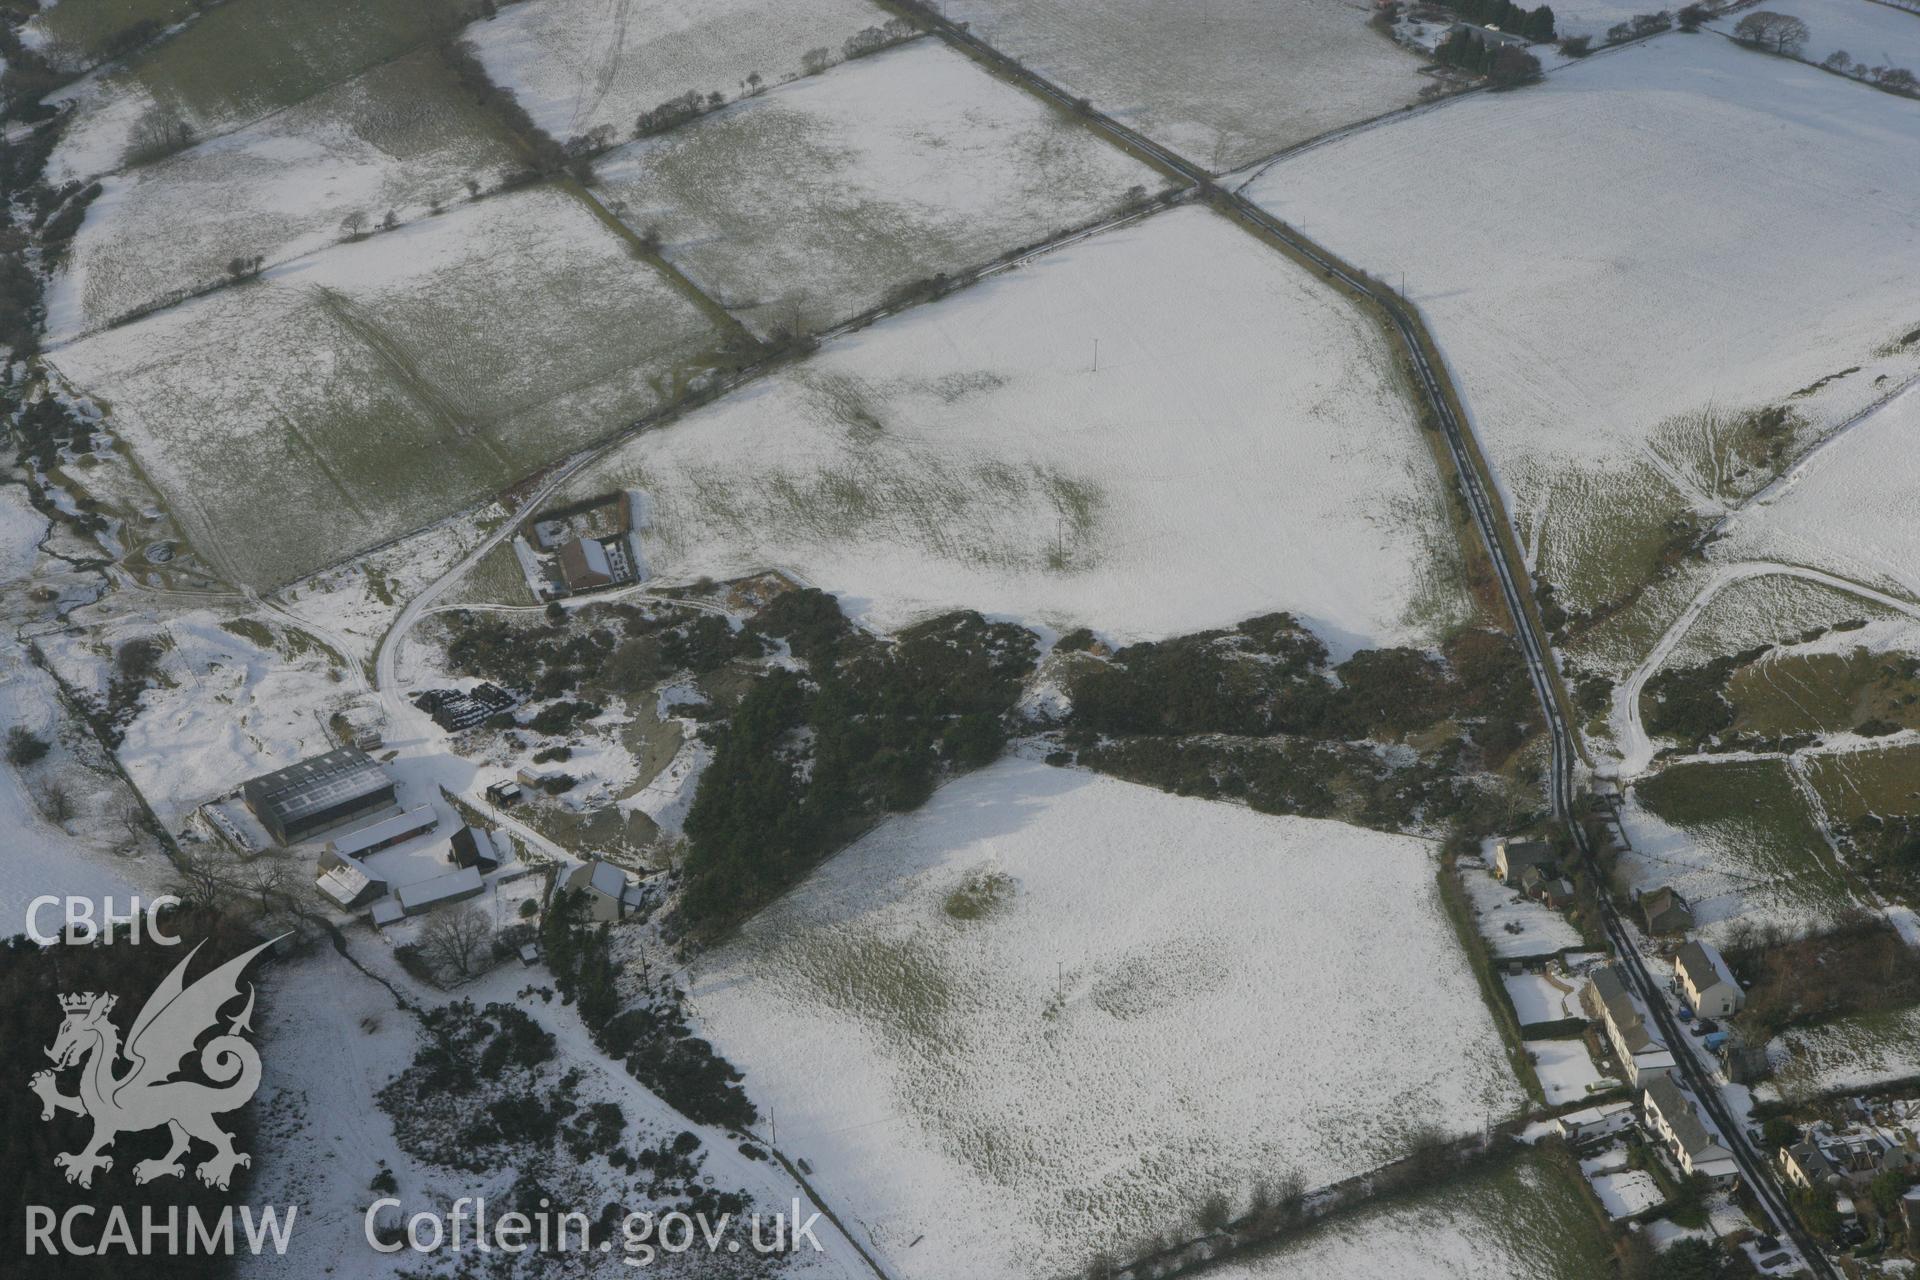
(816, 200)
(1627, 1192)
(1543, 997)
(581, 65)
(400, 139)
(1737, 840)
(1515, 926)
(1049, 999)
(1529, 1218)
(1607, 407)
(1243, 446)
(1222, 84)
(1566, 1070)
(377, 387)
(1849, 507)
(233, 64)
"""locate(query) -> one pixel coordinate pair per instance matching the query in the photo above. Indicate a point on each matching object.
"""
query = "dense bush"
(882, 718)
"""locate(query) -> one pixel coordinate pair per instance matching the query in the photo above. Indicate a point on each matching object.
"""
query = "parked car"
(1705, 1026)
(1685, 1014)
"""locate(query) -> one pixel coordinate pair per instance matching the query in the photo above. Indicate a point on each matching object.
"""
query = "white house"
(1710, 986)
(1512, 857)
(1592, 1123)
(1642, 1053)
(1696, 1146)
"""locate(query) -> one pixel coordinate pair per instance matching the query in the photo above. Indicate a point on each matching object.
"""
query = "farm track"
(1515, 587)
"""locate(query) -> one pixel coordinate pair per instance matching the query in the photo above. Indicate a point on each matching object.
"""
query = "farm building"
(384, 834)
(475, 847)
(1664, 911)
(348, 882)
(1488, 37)
(1694, 1144)
(1711, 987)
(323, 791)
(425, 895)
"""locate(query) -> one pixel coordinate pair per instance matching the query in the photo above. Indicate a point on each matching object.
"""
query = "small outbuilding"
(1663, 910)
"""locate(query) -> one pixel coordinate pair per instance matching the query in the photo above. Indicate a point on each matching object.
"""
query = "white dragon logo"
(146, 1096)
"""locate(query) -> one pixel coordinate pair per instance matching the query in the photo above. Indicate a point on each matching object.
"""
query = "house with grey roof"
(1710, 986)
(1663, 910)
(1695, 1144)
(610, 898)
(1643, 1055)
(1511, 858)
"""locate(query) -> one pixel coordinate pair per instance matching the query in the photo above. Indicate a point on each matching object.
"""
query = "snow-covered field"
(234, 701)
(1742, 847)
(1244, 445)
(579, 65)
(1849, 509)
(235, 63)
(1529, 1220)
(1870, 34)
(1578, 330)
(815, 200)
(400, 138)
(376, 387)
(1222, 83)
(1851, 1053)
(1165, 996)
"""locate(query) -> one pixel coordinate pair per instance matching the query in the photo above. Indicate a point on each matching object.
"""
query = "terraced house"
(1643, 1055)
(1694, 1144)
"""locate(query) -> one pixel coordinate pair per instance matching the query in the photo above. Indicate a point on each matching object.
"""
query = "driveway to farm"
(1630, 730)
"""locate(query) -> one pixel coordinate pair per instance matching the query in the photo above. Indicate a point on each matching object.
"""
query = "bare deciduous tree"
(56, 803)
(1778, 32)
(457, 938)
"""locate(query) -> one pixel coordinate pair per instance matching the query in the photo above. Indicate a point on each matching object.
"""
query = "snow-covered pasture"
(1738, 841)
(1160, 997)
(398, 139)
(1223, 83)
(580, 65)
(1525, 1219)
(813, 201)
(1850, 1053)
(376, 387)
(1849, 508)
(1244, 445)
(1869, 33)
(234, 63)
(236, 697)
(1613, 308)
(91, 853)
